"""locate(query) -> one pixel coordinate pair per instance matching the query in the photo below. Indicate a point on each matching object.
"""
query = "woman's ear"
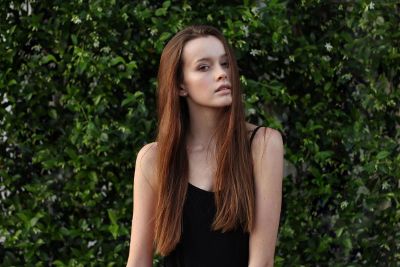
(182, 90)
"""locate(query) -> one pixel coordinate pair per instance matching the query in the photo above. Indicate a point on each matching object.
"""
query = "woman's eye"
(204, 67)
(225, 64)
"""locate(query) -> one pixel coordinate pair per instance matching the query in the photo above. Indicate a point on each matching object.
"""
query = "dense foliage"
(77, 94)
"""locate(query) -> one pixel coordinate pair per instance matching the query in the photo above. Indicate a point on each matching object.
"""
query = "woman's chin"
(227, 101)
(223, 105)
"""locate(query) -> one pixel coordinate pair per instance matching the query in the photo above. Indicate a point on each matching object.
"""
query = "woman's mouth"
(224, 88)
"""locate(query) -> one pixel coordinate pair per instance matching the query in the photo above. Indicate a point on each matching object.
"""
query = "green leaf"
(164, 36)
(74, 39)
(53, 114)
(117, 60)
(12, 82)
(323, 155)
(46, 59)
(131, 65)
(71, 153)
(382, 155)
(112, 216)
(166, 4)
(33, 221)
(113, 228)
(132, 98)
(59, 263)
(161, 12)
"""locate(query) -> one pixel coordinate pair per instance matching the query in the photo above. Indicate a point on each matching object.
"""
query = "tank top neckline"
(212, 192)
(200, 190)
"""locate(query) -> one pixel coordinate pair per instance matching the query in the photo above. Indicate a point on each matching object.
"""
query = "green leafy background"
(77, 101)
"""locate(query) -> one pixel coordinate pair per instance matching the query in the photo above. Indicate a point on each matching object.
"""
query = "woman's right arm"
(144, 202)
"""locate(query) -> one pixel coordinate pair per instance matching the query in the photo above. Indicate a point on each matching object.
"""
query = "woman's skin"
(205, 69)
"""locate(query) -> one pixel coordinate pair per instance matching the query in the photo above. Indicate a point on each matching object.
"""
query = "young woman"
(208, 191)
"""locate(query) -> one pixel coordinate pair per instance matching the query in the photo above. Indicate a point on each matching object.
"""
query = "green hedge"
(77, 94)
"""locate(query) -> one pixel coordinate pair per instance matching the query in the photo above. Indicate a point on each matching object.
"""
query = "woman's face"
(206, 80)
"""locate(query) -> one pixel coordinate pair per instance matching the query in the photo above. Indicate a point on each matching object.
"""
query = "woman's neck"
(202, 127)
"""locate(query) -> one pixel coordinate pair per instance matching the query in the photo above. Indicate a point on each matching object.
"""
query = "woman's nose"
(222, 73)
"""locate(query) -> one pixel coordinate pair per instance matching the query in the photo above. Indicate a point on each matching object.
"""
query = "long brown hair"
(234, 185)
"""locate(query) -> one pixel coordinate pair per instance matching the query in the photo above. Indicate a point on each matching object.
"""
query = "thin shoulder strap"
(253, 134)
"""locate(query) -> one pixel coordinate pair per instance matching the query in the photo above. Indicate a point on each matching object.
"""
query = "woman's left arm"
(268, 173)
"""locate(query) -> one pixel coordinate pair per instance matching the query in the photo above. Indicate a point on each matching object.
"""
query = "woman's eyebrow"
(209, 58)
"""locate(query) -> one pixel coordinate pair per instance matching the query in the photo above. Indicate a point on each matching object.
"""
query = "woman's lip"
(223, 87)
(224, 91)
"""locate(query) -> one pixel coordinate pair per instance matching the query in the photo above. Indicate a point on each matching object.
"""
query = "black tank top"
(200, 246)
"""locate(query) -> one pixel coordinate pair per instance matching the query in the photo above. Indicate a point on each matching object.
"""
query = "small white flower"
(105, 49)
(255, 10)
(255, 52)
(153, 31)
(285, 40)
(344, 204)
(75, 19)
(245, 29)
(348, 76)
(328, 47)
(326, 58)
(272, 58)
(243, 80)
(36, 48)
(385, 185)
(371, 5)
(91, 243)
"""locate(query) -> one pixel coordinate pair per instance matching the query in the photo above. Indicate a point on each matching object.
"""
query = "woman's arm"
(144, 201)
(268, 173)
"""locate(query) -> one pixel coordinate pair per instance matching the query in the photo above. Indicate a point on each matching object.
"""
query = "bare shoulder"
(267, 141)
(146, 160)
(272, 139)
(268, 156)
(148, 152)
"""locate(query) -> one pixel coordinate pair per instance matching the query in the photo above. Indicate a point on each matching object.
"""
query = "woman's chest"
(201, 170)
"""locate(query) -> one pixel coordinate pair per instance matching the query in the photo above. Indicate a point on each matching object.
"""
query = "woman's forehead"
(203, 48)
